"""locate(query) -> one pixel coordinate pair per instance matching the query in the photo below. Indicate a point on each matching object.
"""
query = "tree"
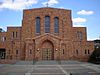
(95, 56)
(0, 29)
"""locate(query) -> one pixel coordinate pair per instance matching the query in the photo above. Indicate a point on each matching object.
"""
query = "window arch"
(56, 25)
(37, 24)
(47, 24)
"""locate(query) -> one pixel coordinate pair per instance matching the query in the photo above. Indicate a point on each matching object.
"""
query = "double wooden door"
(47, 54)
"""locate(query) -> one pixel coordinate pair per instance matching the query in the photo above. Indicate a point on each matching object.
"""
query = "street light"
(56, 49)
(38, 49)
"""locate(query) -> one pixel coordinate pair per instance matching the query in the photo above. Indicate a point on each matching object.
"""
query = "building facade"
(46, 34)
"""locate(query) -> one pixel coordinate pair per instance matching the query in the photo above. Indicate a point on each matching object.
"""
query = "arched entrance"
(47, 50)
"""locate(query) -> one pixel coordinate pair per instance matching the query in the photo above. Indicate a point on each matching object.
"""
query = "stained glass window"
(56, 25)
(47, 24)
(38, 25)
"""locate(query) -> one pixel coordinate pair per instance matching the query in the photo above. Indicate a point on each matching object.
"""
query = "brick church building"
(46, 34)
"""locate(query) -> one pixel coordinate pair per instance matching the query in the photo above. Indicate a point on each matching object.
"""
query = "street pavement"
(49, 68)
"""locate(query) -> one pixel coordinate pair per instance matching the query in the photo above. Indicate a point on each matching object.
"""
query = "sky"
(85, 13)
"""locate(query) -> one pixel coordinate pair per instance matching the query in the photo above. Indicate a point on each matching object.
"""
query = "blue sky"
(85, 13)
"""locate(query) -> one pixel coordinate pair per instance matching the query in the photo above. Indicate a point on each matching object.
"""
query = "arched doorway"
(47, 50)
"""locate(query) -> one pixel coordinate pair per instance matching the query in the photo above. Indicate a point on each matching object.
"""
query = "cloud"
(17, 4)
(79, 22)
(78, 25)
(50, 2)
(13, 25)
(84, 12)
(0, 3)
(91, 39)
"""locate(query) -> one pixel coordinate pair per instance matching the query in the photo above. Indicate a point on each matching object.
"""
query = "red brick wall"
(65, 43)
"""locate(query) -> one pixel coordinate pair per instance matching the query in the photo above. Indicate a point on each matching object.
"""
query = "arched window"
(37, 24)
(47, 24)
(56, 25)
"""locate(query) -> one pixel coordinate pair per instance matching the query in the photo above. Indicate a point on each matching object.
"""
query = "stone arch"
(49, 39)
(47, 44)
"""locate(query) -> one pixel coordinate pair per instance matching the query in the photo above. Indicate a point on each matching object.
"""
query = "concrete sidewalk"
(50, 68)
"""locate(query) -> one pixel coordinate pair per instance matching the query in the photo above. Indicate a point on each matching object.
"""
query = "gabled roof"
(47, 8)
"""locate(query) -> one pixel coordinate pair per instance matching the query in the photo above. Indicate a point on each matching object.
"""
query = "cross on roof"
(47, 4)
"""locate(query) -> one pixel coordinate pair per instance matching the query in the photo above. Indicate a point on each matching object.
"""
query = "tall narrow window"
(16, 34)
(13, 34)
(88, 51)
(79, 33)
(47, 24)
(77, 52)
(56, 25)
(30, 51)
(63, 51)
(37, 24)
(16, 51)
(4, 38)
(85, 51)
